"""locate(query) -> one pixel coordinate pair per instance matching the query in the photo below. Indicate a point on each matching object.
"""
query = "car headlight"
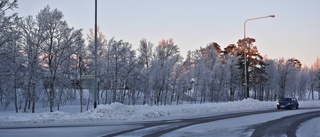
(278, 103)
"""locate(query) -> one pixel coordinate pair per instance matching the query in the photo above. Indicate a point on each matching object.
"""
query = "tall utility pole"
(95, 56)
(245, 55)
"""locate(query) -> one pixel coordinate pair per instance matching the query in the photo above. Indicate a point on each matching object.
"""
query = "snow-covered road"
(243, 126)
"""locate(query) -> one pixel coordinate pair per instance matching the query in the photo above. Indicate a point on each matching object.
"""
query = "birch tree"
(145, 51)
(32, 38)
(271, 87)
(314, 74)
(11, 72)
(213, 69)
(58, 47)
(10, 55)
(286, 69)
(7, 21)
(165, 58)
(231, 61)
(302, 83)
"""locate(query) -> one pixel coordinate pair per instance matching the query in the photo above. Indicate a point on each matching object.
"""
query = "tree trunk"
(178, 97)
(15, 97)
(60, 99)
(166, 96)
(81, 98)
(98, 91)
(51, 95)
(33, 100)
(173, 92)
(133, 97)
(144, 95)
(26, 102)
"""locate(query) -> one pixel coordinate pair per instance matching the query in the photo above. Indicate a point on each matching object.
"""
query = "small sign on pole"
(87, 77)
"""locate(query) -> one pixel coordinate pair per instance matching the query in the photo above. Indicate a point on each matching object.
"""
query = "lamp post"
(95, 56)
(245, 55)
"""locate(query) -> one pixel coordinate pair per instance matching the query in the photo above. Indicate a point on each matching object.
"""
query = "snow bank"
(118, 111)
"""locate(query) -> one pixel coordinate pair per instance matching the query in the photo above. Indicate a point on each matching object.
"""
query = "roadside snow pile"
(118, 111)
(306, 104)
(114, 111)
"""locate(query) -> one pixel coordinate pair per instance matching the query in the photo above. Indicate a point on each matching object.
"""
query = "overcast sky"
(294, 32)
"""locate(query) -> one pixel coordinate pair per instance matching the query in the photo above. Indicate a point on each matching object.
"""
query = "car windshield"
(286, 99)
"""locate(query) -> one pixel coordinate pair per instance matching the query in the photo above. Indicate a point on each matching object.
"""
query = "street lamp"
(95, 56)
(245, 47)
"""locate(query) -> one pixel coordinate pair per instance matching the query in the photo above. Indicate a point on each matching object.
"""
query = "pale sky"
(294, 32)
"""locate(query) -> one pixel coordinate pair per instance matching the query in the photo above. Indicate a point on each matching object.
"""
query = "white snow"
(233, 126)
(310, 128)
(128, 113)
(118, 111)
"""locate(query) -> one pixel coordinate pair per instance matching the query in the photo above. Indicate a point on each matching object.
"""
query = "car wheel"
(278, 107)
(297, 107)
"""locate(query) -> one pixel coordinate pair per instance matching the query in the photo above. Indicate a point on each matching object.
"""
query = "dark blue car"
(288, 103)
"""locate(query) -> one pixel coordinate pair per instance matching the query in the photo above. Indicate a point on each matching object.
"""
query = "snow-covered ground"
(119, 112)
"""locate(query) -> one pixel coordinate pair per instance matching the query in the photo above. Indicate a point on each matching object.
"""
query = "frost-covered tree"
(200, 76)
(57, 48)
(10, 54)
(231, 61)
(7, 21)
(314, 76)
(302, 83)
(271, 86)
(209, 74)
(70, 71)
(166, 57)
(11, 72)
(32, 38)
(184, 85)
(118, 71)
(287, 70)
(213, 70)
(145, 57)
(81, 68)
